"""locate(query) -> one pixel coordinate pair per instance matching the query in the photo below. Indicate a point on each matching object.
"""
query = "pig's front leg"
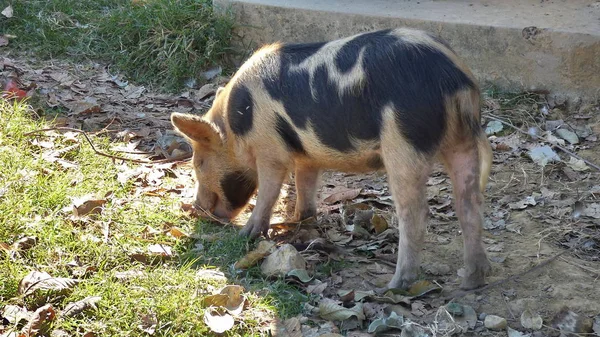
(307, 181)
(270, 179)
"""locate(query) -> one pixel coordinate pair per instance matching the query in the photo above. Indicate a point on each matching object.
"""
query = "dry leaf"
(25, 243)
(231, 298)
(263, 249)
(15, 314)
(342, 196)
(75, 308)
(39, 321)
(149, 323)
(177, 233)
(8, 11)
(36, 280)
(379, 223)
(218, 320)
(330, 310)
(3, 41)
(86, 205)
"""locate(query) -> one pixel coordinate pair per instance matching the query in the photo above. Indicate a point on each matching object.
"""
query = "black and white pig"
(393, 100)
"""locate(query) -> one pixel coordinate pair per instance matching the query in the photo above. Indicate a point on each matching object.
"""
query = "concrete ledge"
(515, 45)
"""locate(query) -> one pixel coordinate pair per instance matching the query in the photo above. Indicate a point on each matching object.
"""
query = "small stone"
(482, 316)
(495, 323)
(282, 261)
(567, 135)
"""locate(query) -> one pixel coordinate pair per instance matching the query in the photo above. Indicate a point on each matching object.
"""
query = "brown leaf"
(85, 205)
(263, 249)
(75, 308)
(25, 243)
(40, 319)
(36, 280)
(177, 233)
(5, 247)
(149, 323)
(379, 223)
(342, 196)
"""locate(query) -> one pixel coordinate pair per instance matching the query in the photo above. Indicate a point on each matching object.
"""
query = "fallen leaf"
(149, 323)
(218, 320)
(300, 274)
(8, 11)
(379, 223)
(542, 155)
(567, 135)
(514, 333)
(25, 243)
(39, 322)
(524, 203)
(75, 308)
(411, 329)
(262, 249)
(592, 210)
(493, 127)
(577, 164)
(531, 320)
(86, 205)
(393, 321)
(3, 41)
(282, 261)
(36, 280)
(330, 310)
(342, 196)
(177, 233)
(15, 314)
(316, 289)
(162, 250)
(569, 321)
(235, 298)
(423, 287)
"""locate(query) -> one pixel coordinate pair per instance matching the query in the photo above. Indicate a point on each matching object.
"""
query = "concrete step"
(515, 45)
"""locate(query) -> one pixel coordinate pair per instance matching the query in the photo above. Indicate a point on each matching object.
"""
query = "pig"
(396, 100)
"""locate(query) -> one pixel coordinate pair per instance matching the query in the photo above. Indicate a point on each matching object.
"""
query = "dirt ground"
(533, 212)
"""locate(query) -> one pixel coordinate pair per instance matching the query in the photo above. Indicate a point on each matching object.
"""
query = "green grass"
(153, 42)
(34, 194)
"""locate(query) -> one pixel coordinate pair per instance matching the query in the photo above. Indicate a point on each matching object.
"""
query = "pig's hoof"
(475, 276)
(254, 230)
(399, 284)
(304, 214)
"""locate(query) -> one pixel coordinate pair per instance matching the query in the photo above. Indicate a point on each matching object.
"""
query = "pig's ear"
(193, 127)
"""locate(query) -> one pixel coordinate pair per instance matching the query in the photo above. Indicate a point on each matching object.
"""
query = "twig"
(546, 140)
(463, 293)
(588, 269)
(160, 161)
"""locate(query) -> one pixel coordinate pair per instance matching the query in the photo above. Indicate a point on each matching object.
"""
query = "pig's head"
(223, 187)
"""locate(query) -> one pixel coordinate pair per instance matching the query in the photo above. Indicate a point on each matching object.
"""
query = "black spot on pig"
(240, 110)
(301, 51)
(413, 79)
(335, 119)
(347, 56)
(238, 187)
(289, 135)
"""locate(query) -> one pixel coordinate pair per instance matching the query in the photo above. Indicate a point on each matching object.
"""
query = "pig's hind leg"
(465, 168)
(407, 176)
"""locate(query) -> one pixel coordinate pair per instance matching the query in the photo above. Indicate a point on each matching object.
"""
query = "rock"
(514, 333)
(495, 323)
(482, 316)
(285, 259)
(531, 320)
(567, 135)
(596, 326)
